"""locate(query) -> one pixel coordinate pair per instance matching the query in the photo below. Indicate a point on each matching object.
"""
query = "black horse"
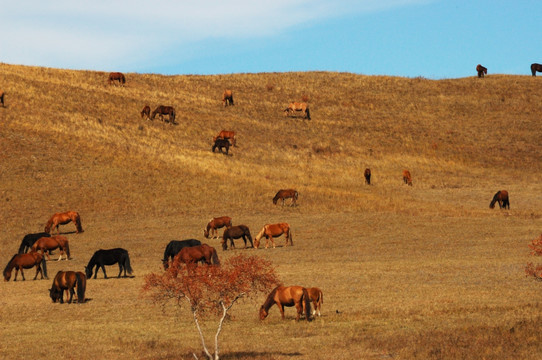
(236, 232)
(109, 257)
(536, 67)
(29, 240)
(221, 144)
(174, 247)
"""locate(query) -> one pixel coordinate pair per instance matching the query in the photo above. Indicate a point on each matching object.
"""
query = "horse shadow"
(258, 355)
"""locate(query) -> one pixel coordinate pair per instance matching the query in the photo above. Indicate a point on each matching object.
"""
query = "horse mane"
(8, 268)
(495, 199)
(77, 221)
(48, 225)
(270, 301)
(260, 234)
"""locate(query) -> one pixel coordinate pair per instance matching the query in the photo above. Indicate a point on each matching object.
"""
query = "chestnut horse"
(26, 261)
(173, 248)
(317, 297)
(68, 281)
(216, 223)
(236, 232)
(193, 254)
(63, 219)
(284, 194)
(367, 175)
(226, 134)
(481, 70)
(502, 198)
(536, 67)
(271, 231)
(283, 296)
(162, 110)
(295, 107)
(51, 243)
(146, 112)
(227, 98)
(407, 179)
(116, 76)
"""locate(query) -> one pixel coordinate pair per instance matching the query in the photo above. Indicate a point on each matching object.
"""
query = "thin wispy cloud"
(125, 34)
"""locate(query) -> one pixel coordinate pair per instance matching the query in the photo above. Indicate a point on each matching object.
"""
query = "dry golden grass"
(426, 272)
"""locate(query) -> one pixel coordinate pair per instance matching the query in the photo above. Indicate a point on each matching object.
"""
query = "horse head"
(263, 313)
(55, 294)
(88, 272)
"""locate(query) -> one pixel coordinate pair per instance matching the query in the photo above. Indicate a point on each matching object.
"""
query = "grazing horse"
(216, 223)
(109, 257)
(283, 296)
(29, 240)
(162, 110)
(2, 94)
(284, 194)
(52, 243)
(146, 112)
(271, 231)
(367, 175)
(26, 261)
(236, 232)
(116, 76)
(481, 70)
(295, 106)
(63, 219)
(226, 134)
(227, 98)
(407, 179)
(194, 254)
(67, 281)
(317, 297)
(502, 198)
(536, 67)
(174, 247)
(221, 144)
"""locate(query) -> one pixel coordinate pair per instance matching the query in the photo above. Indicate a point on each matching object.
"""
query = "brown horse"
(407, 179)
(271, 231)
(63, 219)
(68, 281)
(236, 232)
(296, 107)
(502, 198)
(146, 112)
(51, 243)
(317, 297)
(226, 134)
(227, 98)
(26, 261)
(193, 254)
(2, 94)
(536, 67)
(367, 175)
(162, 110)
(481, 70)
(216, 223)
(283, 296)
(284, 194)
(116, 76)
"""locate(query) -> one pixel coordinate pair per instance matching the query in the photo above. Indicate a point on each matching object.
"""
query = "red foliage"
(536, 250)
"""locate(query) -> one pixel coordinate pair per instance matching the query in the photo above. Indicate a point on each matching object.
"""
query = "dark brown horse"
(116, 76)
(367, 175)
(2, 94)
(407, 178)
(216, 223)
(298, 107)
(283, 296)
(221, 144)
(226, 134)
(481, 70)
(63, 219)
(26, 261)
(271, 231)
(68, 281)
(146, 112)
(227, 97)
(162, 110)
(284, 194)
(317, 297)
(194, 254)
(236, 232)
(536, 67)
(502, 198)
(46, 244)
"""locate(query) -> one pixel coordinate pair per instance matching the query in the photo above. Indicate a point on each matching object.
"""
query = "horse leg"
(103, 269)
(72, 291)
(38, 270)
(281, 308)
(299, 308)
(62, 253)
(22, 274)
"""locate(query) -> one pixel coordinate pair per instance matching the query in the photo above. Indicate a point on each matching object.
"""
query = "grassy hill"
(427, 271)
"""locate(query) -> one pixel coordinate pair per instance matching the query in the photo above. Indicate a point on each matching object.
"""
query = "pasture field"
(408, 272)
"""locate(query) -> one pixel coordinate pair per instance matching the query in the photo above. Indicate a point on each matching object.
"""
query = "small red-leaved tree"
(536, 250)
(212, 289)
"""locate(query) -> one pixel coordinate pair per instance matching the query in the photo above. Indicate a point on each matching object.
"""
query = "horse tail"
(81, 286)
(215, 257)
(127, 264)
(307, 300)
(44, 267)
(320, 297)
(308, 113)
(67, 249)
(78, 223)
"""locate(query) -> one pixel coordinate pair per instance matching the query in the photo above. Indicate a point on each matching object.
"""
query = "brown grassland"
(408, 272)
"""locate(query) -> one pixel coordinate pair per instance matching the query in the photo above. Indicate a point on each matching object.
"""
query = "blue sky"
(431, 38)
